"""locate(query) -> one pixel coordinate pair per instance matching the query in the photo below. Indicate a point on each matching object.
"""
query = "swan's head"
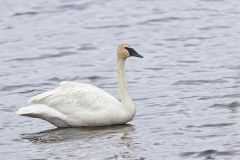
(125, 50)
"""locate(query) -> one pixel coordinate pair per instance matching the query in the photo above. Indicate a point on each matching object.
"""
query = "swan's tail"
(44, 112)
(33, 110)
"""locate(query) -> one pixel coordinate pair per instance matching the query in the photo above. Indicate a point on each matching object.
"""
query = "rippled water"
(186, 88)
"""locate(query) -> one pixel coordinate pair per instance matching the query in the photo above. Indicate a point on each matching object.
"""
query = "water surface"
(186, 89)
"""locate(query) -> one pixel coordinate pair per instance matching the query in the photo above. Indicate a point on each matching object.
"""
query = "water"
(186, 89)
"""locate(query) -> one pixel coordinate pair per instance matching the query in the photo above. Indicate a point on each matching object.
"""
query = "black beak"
(132, 52)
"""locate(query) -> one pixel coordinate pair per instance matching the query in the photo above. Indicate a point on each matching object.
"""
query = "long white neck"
(126, 100)
(125, 97)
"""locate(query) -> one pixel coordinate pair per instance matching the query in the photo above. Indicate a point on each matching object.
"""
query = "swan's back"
(74, 93)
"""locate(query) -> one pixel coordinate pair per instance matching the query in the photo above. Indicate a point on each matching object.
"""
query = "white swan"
(75, 104)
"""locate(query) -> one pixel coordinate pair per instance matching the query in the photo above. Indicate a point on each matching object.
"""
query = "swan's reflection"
(81, 133)
(103, 142)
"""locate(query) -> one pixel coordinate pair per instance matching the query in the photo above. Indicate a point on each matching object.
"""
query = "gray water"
(186, 88)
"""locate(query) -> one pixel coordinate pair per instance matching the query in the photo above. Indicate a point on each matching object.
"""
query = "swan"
(74, 104)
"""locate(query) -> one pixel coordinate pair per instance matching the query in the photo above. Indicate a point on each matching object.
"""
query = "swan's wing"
(38, 98)
(80, 96)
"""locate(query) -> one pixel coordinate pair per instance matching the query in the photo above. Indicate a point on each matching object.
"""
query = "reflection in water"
(70, 134)
(95, 139)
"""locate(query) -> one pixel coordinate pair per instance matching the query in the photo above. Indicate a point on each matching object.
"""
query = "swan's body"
(75, 104)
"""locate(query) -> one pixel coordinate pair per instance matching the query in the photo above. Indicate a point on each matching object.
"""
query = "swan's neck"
(125, 97)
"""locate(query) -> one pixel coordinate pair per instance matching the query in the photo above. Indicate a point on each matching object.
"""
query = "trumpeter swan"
(75, 104)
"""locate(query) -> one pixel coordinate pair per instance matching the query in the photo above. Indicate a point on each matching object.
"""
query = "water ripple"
(232, 105)
(78, 7)
(208, 154)
(211, 125)
(17, 87)
(45, 56)
(29, 13)
(107, 26)
(166, 19)
(199, 82)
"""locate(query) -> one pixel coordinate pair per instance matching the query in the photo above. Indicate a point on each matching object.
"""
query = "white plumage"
(75, 104)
